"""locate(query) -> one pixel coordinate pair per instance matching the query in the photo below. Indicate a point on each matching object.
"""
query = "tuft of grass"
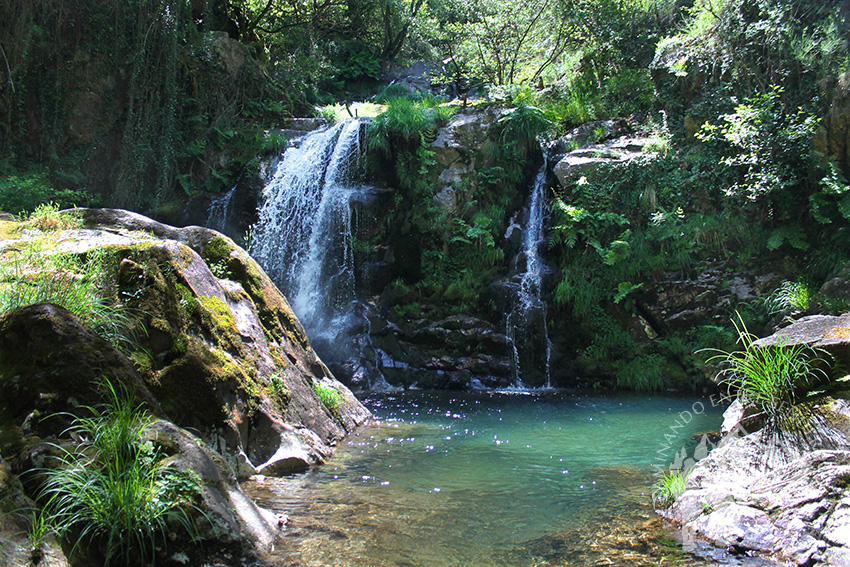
(113, 491)
(771, 378)
(669, 487)
(32, 274)
(795, 296)
(330, 396)
(48, 218)
(407, 122)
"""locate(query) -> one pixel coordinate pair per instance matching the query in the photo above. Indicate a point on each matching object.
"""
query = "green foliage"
(832, 202)
(48, 218)
(33, 274)
(644, 373)
(752, 44)
(408, 123)
(668, 488)
(772, 378)
(771, 145)
(521, 125)
(114, 490)
(795, 296)
(23, 193)
(330, 396)
(355, 60)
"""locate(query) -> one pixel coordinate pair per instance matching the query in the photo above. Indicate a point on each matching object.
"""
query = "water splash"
(527, 329)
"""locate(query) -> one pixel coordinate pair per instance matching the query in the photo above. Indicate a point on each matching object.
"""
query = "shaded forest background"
(145, 104)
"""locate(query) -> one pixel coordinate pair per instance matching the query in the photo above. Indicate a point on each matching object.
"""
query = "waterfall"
(527, 328)
(304, 238)
(218, 215)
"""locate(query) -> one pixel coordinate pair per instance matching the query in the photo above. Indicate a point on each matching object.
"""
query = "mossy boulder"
(210, 346)
(219, 352)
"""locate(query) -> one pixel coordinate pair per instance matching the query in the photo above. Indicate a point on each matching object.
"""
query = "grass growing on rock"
(113, 491)
(32, 273)
(774, 379)
(670, 485)
(330, 396)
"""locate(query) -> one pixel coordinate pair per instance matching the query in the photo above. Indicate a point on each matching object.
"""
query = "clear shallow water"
(487, 479)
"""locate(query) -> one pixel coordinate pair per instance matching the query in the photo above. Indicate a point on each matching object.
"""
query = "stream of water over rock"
(527, 329)
(487, 479)
(305, 233)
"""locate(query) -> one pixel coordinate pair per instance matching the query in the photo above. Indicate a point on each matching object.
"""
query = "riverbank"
(780, 490)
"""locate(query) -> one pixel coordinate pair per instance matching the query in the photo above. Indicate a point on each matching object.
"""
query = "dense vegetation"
(149, 103)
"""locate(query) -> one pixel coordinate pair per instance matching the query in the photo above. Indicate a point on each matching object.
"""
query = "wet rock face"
(214, 347)
(458, 352)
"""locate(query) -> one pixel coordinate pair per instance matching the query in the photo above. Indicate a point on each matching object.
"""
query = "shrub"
(645, 373)
(22, 193)
(791, 295)
(522, 125)
(113, 489)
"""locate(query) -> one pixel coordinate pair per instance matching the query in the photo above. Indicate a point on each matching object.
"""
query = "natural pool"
(490, 479)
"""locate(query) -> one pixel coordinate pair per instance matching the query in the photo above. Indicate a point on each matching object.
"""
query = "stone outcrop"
(213, 348)
(678, 300)
(827, 332)
(587, 159)
(457, 155)
(833, 140)
(457, 352)
(781, 493)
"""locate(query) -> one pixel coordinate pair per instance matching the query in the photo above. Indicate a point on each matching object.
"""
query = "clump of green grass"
(774, 379)
(48, 218)
(796, 296)
(113, 491)
(330, 396)
(669, 487)
(33, 274)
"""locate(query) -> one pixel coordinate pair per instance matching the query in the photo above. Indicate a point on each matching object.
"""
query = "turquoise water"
(486, 479)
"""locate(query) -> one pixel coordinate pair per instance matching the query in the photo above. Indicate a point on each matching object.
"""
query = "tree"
(504, 43)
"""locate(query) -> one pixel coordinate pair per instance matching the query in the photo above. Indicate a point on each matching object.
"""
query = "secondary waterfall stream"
(527, 330)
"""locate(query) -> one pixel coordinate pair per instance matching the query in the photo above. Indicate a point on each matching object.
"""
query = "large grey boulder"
(215, 349)
(776, 493)
(587, 160)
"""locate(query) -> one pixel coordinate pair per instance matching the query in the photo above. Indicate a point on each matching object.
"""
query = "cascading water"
(527, 329)
(304, 238)
(218, 215)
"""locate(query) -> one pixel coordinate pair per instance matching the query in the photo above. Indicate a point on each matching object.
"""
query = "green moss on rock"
(219, 319)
